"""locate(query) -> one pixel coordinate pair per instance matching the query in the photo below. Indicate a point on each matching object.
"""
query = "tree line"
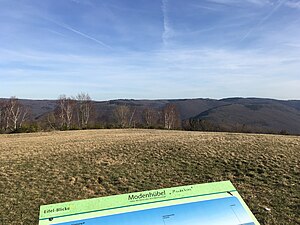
(80, 112)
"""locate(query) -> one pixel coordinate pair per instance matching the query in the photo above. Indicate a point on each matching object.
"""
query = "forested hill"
(230, 114)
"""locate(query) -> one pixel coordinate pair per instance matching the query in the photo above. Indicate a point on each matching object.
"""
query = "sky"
(225, 211)
(158, 49)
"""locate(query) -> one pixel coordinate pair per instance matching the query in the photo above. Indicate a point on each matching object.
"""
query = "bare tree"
(6, 116)
(60, 111)
(133, 117)
(2, 115)
(150, 117)
(15, 114)
(84, 109)
(51, 120)
(123, 115)
(69, 111)
(170, 116)
(65, 111)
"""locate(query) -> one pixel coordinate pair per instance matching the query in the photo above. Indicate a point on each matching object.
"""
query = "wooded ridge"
(254, 115)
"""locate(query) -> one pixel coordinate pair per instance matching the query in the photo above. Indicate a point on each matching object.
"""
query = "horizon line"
(161, 99)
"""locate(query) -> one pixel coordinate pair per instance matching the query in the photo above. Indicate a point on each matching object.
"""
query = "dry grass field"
(44, 168)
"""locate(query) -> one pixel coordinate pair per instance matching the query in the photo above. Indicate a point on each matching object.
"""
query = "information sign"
(216, 203)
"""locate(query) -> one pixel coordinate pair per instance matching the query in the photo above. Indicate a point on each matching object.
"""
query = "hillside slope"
(255, 116)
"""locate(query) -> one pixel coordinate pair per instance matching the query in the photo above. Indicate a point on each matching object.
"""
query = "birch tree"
(15, 114)
(65, 111)
(84, 109)
(170, 116)
(2, 116)
(150, 117)
(122, 114)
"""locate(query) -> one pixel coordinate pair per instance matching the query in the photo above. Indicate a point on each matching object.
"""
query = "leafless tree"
(60, 111)
(132, 119)
(69, 111)
(84, 109)
(150, 117)
(170, 116)
(2, 115)
(65, 111)
(51, 120)
(123, 115)
(6, 116)
(15, 114)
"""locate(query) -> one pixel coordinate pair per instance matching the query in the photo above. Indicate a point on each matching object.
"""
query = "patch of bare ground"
(45, 168)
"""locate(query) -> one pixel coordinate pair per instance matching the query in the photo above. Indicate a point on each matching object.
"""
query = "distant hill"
(230, 114)
(255, 115)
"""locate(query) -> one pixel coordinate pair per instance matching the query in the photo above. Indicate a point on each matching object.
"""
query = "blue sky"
(150, 49)
(225, 211)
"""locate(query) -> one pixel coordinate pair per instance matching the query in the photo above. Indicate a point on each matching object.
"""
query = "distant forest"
(81, 112)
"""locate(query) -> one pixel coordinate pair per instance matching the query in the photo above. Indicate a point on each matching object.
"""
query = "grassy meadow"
(44, 168)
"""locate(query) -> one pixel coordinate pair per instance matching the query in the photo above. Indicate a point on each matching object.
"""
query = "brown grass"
(44, 168)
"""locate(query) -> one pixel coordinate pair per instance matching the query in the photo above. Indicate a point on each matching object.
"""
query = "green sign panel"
(208, 204)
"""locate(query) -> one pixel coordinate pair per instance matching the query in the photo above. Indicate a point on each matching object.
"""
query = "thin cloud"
(204, 7)
(294, 45)
(259, 2)
(217, 67)
(238, 2)
(79, 33)
(293, 4)
(166, 21)
(85, 2)
(275, 8)
(55, 32)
